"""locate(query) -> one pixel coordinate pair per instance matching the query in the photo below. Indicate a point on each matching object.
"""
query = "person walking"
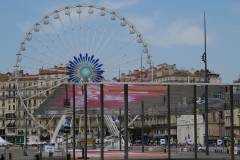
(2, 157)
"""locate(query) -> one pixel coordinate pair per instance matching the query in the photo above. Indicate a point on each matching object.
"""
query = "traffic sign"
(66, 129)
(20, 139)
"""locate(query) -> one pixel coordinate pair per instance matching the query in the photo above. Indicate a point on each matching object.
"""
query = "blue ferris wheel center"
(84, 69)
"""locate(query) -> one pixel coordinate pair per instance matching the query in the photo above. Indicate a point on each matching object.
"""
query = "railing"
(164, 125)
(3, 105)
(11, 125)
(11, 117)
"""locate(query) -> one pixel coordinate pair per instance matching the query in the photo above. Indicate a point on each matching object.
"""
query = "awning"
(10, 111)
(12, 121)
(159, 137)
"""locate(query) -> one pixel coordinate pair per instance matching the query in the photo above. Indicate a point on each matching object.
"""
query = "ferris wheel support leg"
(126, 121)
(74, 121)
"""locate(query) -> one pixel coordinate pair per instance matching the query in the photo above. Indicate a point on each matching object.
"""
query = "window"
(11, 130)
(47, 93)
(13, 107)
(9, 107)
(3, 94)
(3, 112)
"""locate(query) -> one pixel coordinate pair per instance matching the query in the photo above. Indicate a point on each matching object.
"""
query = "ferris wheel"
(85, 43)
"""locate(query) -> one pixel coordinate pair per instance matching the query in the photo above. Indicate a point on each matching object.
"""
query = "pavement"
(119, 155)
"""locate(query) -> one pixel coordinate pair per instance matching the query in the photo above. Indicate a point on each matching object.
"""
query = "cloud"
(167, 34)
(117, 4)
(25, 26)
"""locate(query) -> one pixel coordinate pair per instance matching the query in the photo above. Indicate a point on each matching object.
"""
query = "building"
(165, 73)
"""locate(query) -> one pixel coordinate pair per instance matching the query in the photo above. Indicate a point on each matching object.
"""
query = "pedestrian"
(2, 157)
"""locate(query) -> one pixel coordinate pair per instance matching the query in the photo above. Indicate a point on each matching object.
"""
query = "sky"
(173, 30)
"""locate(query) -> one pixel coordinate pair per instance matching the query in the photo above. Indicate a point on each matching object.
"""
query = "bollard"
(68, 156)
(37, 157)
(165, 149)
(10, 156)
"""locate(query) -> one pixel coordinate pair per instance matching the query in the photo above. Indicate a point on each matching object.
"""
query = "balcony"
(3, 97)
(10, 125)
(11, 96)
(3, 105)
(11, 87)
(11, 117)
(165, 125)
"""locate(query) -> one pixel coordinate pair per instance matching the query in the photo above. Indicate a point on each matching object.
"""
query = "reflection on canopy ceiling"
(154, 97)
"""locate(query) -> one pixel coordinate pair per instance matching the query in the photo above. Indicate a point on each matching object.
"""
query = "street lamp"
(204, 59)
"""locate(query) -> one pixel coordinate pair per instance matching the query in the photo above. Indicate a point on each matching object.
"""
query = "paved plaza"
(119, 155)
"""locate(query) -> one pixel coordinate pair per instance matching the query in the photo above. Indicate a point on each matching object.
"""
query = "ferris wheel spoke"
(123, 55)
(66, 33)
(60, 37)
(37, 85)
(73, 30)
(80, 21)
(89, 18)
(49, 89)
(107, 40)
(37, 50)
(119, 49)
(51, 39)
(95, 35)
(36, 59)
(101, 37)
(50, 121)
(48, 47)
(115, 43)
(119, 64)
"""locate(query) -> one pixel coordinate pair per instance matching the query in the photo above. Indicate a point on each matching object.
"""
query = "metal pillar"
(169, 121)
(142, 118)
(85, 121)
(101, 120)
(232, 122)
(195, 121)
(25, 150)
(126, 121)
(74, 121)
(206, 89)
(120, 133)
(66, 144)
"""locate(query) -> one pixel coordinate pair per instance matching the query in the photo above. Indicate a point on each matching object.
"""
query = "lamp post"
(204, 59)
